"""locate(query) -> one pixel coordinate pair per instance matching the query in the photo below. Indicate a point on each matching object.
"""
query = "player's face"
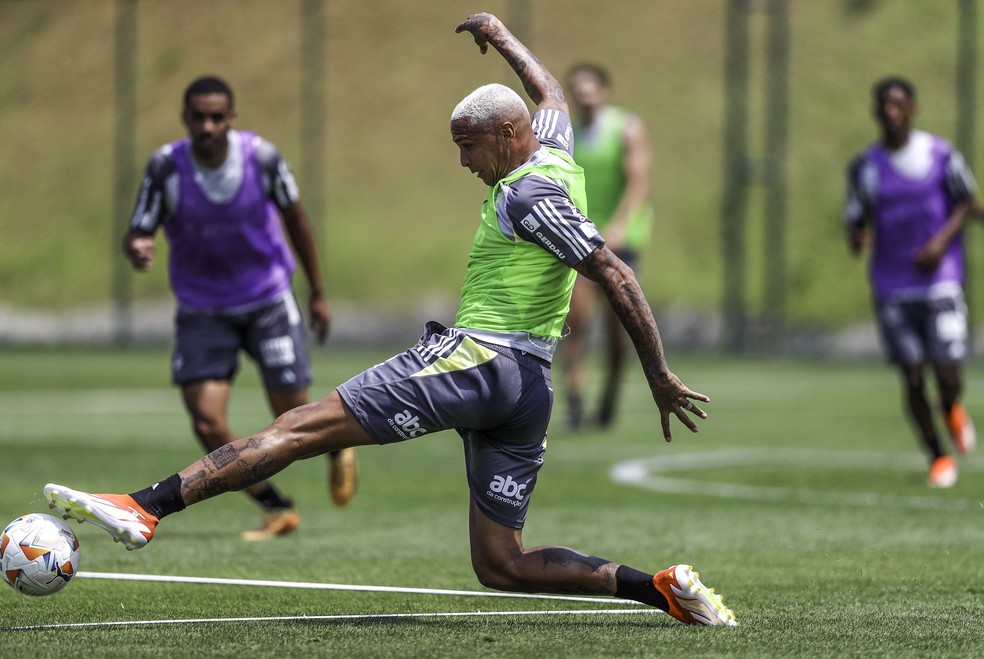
(895, 111)
(209, 118)
(485, 153)
(587, 92)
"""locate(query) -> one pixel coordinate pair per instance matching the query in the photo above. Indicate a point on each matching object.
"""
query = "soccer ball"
(39, 554)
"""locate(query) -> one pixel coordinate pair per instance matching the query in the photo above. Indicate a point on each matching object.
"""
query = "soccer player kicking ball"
(488, 376)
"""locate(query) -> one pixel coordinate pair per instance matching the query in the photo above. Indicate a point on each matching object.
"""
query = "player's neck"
(590, 115)
(895, 141)
(213, 161)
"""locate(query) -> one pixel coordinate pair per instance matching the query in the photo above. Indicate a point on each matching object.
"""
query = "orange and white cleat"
(691, 601)
(961, 429)
(118, 514)
(943, 472)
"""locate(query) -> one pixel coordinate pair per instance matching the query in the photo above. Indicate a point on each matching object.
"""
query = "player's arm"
(148, 212)
(856, 210)
(302, 238)
(637, 165)
(540, 85)
(282, 189)
(625, 296)
(961, 186)
(929, 255)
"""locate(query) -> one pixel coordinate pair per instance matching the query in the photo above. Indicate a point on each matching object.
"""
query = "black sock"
(934, 446)
(635, 585)
(161, 498)
(270, 499)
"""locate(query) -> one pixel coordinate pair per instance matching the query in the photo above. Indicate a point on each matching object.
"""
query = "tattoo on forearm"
(630, 306)
(536, 79)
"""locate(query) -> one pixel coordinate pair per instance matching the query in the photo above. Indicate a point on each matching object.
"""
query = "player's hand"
(320, 317)
(929, 256)
(482, 27)
(858, 239)
(673, 397)
(141, 251)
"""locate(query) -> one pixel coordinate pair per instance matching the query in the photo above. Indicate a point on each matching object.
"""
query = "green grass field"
(802, 499)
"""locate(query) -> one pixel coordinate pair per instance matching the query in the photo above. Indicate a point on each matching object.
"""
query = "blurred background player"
(612, 146)
(915, 193)
(220, 195)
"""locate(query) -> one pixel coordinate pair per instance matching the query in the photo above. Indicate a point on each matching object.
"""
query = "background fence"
(754, 109)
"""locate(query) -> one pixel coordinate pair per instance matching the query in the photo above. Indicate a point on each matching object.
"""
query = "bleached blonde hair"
(490, 103)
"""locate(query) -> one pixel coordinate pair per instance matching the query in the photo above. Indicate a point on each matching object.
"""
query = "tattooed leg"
(303, 432)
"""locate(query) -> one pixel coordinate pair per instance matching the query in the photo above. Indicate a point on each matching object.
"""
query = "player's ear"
(507, 131)
(232, 116)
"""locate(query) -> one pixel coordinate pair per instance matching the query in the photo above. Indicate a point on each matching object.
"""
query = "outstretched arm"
(627, 300)
(542, 88)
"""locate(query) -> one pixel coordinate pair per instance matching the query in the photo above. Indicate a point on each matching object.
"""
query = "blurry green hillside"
(400, 211)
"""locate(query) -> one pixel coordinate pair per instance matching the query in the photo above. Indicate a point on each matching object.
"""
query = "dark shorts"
(498, 400)
(207, 345)
(920, 330)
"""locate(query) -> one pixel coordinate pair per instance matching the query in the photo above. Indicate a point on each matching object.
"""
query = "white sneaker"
(118, 514)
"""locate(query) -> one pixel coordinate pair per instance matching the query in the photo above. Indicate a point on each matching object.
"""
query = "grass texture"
(802, 499)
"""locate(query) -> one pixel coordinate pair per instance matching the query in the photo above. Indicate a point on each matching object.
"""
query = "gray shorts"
(498, 400)
(207, 345)
(916, 330)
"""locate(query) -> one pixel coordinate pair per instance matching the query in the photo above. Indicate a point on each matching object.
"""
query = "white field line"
(123, 576)
(330, 586)
(347, 617)
(648, 473)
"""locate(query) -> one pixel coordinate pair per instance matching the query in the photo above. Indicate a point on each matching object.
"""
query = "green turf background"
(807, 575)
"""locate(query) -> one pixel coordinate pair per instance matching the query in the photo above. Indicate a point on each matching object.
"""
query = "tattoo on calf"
(568, 557)
(201, 487)
(258, 471)
(223, 456)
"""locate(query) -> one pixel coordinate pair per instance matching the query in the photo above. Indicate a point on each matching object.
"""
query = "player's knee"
(493, 576)
(915, 380)
(210, 430)
(499, 575)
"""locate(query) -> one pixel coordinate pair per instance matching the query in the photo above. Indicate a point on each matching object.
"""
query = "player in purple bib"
(222, 197)
(914, 193)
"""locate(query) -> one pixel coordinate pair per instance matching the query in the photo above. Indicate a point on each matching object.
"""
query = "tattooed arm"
(627, 300)
(541, 87)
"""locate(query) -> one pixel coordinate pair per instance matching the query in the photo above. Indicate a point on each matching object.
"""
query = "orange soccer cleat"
(961, 429)
(118, 514)
(690, 601)
(943, 472)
